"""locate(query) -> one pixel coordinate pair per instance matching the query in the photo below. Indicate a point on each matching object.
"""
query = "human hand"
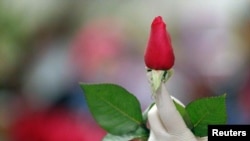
(165, 122)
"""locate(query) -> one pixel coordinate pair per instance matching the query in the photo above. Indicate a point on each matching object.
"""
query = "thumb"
(168, 113)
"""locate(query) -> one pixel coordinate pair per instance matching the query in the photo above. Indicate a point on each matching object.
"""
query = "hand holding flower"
(167, 117)
(165, 121)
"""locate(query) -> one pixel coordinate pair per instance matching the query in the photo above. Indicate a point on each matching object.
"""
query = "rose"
(159, 54)
(166, 118)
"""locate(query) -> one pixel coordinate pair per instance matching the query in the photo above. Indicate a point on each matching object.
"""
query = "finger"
(202, 138)
(155, 123)
(168, 113)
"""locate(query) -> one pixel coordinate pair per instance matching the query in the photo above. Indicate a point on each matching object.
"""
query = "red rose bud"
(159, 53)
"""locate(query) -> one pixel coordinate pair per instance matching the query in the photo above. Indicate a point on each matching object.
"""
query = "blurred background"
(47, 47)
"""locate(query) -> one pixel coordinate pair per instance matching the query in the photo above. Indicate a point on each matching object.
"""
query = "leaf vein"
(123, 113)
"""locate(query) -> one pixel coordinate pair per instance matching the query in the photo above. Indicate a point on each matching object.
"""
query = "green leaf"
(113, 107)
(145, 113)
(181, 109)
(205, 111)
(110, 137)
(140, 134)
